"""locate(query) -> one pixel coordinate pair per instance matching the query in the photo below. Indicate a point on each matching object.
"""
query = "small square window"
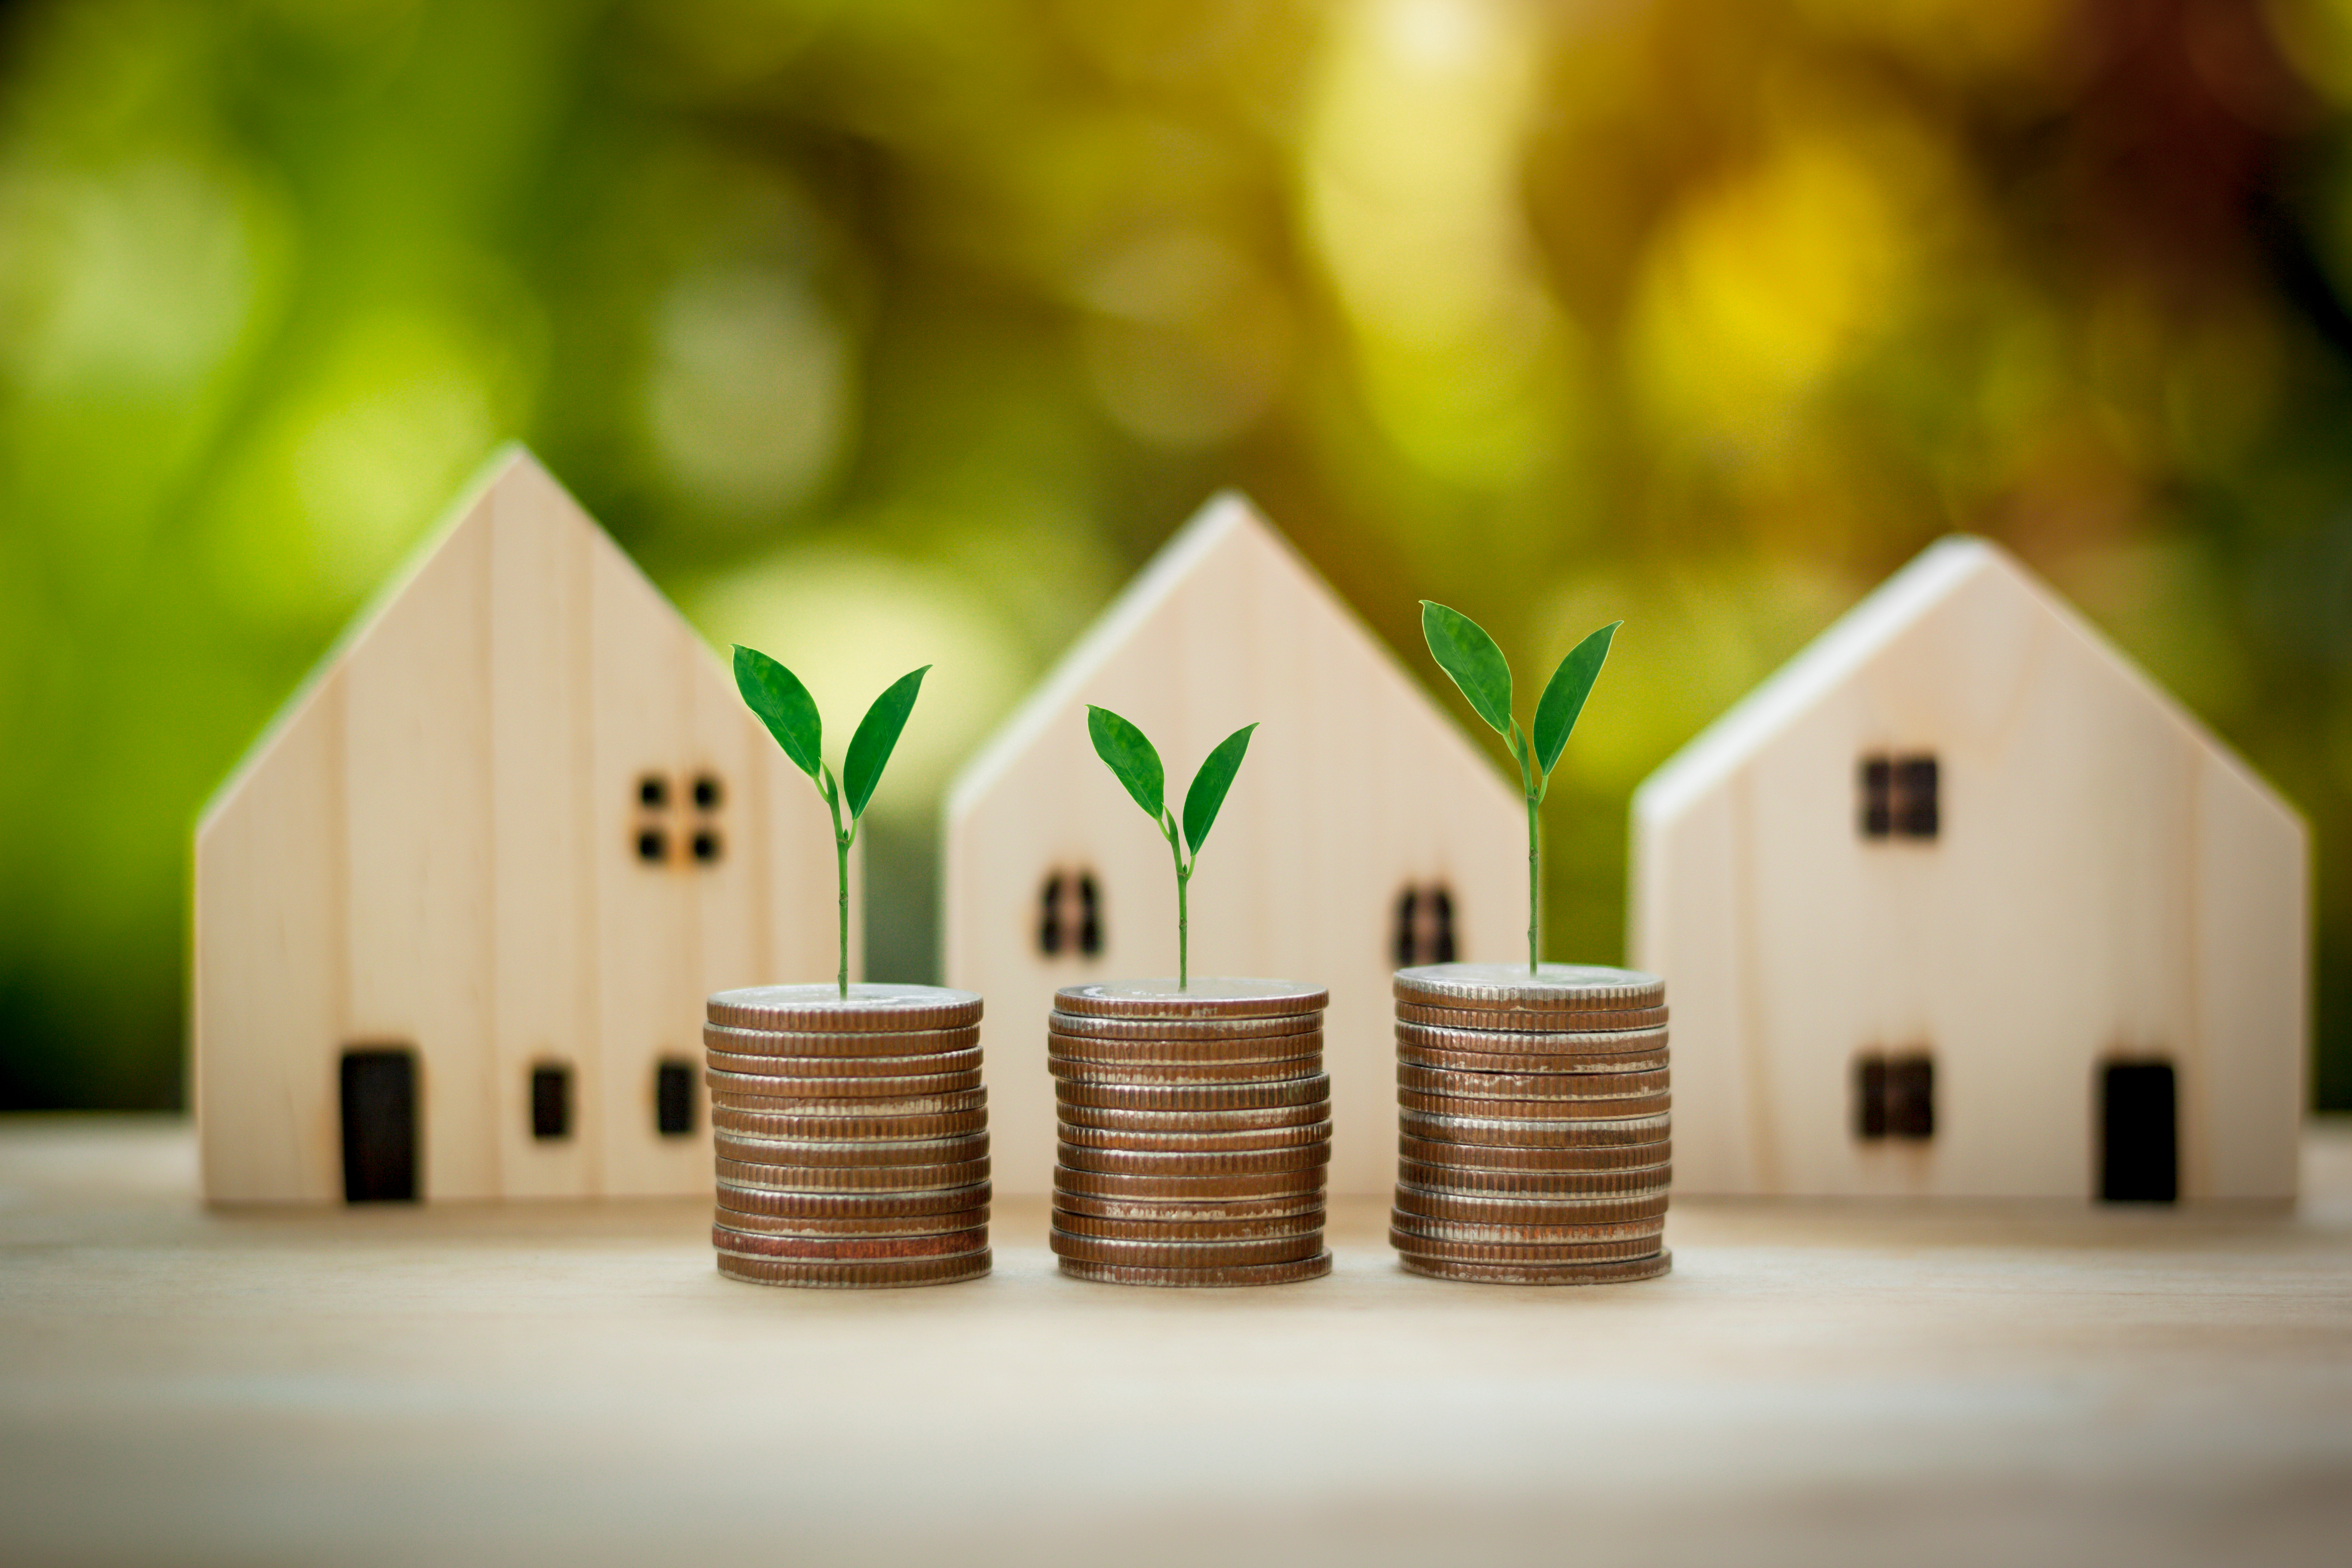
(653, 845)
(1895, 1096)
(674, 1098)
(652, 791)
(1424, 926)
(706, 847)
(1069, 915)
(707, 793)
(1899, 796)
(550, 1101)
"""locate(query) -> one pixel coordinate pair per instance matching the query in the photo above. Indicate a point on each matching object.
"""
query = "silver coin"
(1114, 1095)
(868, 1007)
(1565, 1044)
(1527, 1133)
(758, 1092)
(1208, 996)
(1126, 1028)
(806, 1043)
(1274, 1049)
(1196, 1142)
(1564, 987)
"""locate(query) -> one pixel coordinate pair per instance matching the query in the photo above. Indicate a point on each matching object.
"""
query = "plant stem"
(1535, 884)
(1183, 919)
(841, 863)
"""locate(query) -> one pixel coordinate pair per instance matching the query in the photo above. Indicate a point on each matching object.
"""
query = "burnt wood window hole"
(702, 840)
(1069, 915)
(1424, 926)
(550, 1101)
(1899, 796)
(652, 791)
(2139, 1133)
(1895, 1096)
(379, 1124)
(673, 1097)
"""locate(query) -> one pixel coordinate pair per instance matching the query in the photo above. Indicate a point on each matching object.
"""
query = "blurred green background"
(906, 329)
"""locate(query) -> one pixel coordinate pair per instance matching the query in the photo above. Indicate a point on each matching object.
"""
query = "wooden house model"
(1364, 831)
(457, 910)
(1959, 902)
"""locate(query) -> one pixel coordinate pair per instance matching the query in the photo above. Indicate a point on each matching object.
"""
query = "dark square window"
(707, 794)
(1895, 1096)
(1424, 926)
(1089, 917)
(2139, 1133)
(652, 791)
(653, 845)
(1899, 797)
(1069, 915)
(379, 1118)
(706, 847)
(674, 1098)
(550, 1101)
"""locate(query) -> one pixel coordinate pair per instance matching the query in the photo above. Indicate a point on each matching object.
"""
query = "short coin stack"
(1195, 1127)
(1535, 1127)
(851, 1135)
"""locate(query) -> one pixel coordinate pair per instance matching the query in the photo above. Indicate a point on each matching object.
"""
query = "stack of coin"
(851, 1133)
(1533, 1146)
(1195, 1131)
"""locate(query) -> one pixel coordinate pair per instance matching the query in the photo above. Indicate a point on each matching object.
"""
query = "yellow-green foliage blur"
(904, 330)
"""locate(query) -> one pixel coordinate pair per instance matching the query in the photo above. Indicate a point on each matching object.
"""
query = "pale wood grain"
(1816, 1383)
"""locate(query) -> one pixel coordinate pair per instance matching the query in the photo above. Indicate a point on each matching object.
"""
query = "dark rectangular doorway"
(2139, 1133)
(380, 1125)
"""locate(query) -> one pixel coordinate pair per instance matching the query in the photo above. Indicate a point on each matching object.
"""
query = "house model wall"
(1357, 792)
(481, 873)
(1959, 902)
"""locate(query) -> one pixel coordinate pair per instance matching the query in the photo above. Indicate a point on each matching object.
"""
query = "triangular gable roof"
(1225, 513)
(498, 468)
(1841, 653)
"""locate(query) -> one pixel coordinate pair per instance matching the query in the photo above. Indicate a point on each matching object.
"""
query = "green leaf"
(1563, 697)
(877, 734)
(1207, 796)
(1130, 759)
(1464, 651)
(783, 705)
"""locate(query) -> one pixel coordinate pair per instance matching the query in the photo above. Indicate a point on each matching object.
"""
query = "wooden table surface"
(559, 1383)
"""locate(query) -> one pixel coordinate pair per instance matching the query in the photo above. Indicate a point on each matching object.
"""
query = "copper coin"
(1310, 1090)
(855, 1225)
(759, 1124)
(1541, 1273)
(1551, 988)
(1523, 1018)
(1526, 1043)
(1427, 1229)
(869, 1008)
(792, 1088)
(1174, 1073)
(1456, 1208)
(779, 1043)
(1208, 996)
(1584, 1157)
(839, 1108)
(1522, 1251)
(1575, 1181)
(1255, 1184)
(1313, 1267)
(1301, 1208)
(767, 1201)
(1093, 1027)
(850, 1178)
(1084, 1049)
(1530, 1085)
(1184, 1254)
(842, 1249)
(849, 1150)
(1196, 1143)
(1409, 1055)
(1260, 1117)
(1228, 1162)
(1535, 1109)
(799, 1067)
(1191, 1230)
(1527, 1132)
(879, 1273)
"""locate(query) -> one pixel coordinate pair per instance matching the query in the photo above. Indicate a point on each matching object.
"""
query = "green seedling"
(1133, 762)
(785, 707)
(1464, 651)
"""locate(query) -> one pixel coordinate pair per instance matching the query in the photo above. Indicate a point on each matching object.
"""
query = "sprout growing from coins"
(1464, 651)
(785, 707)
(1134, 762)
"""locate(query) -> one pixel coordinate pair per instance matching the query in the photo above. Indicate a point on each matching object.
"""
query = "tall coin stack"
(1196, 1128)
(1534, 1126)
(851, 1134)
